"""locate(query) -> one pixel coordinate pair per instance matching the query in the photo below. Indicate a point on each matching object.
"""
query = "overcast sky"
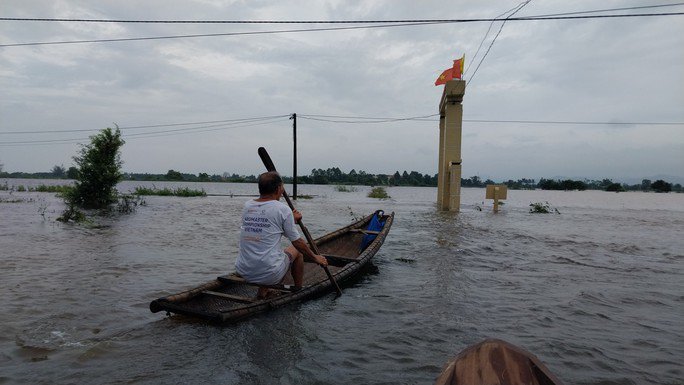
(619, 70)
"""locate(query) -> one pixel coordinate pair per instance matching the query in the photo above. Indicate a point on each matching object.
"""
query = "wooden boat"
(496, 362)
(229, 298)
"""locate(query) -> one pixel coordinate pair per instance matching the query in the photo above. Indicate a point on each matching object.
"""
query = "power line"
(192, 130)
(612, 10)
(172, 132)
(385, 21)
(367, 120)
(595, 123)
(240, 120)
(400, 24)
(211, 35)
(485, 37)
(124, 128)
(521, 6)
(323, 118)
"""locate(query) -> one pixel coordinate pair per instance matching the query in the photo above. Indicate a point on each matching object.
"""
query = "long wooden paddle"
(263, 154)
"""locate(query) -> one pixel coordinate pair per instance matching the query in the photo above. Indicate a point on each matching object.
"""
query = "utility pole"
(294, 156)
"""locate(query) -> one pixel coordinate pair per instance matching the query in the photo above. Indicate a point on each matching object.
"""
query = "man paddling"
(264, 221)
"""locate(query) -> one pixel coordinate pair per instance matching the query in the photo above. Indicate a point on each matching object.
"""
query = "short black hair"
(269, 182)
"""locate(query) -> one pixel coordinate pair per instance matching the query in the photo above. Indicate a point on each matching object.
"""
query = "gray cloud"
(621, 70)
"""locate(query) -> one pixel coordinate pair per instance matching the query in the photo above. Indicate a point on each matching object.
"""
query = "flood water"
(596, 292)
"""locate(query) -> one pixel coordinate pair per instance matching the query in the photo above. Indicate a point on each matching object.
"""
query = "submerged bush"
(72, 213)
(99, 171)
(51, 189)
(187, 192)
(343, 188)
(129, 202)
(542, 208)
(40, 188)
(180, 192)
(378, 192)
(140, 190)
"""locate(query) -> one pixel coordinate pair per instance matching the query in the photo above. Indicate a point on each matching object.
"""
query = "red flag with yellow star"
(457, 69)
(444, 77)
(455, 72)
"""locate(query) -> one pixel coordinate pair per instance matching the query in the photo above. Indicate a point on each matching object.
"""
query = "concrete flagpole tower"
(450, 124)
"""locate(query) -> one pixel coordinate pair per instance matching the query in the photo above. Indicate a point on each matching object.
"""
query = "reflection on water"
(595, 292)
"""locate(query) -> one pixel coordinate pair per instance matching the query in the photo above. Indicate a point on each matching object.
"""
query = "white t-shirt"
(261, 258)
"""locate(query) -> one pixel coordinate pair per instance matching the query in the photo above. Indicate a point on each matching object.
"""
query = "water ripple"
(595, 292)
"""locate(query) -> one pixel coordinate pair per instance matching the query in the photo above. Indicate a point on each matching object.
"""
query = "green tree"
(473, 181)
(661, 186)
(99, 171)
(605, 183)
(58, 171)
(203, 177)
(570, 185)
(319, 176)
(174, 175)
(405, 177)
(72, 173)
(353, 176)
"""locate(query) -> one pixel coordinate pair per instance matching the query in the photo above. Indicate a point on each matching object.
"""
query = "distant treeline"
(608, 185)
(335, 176)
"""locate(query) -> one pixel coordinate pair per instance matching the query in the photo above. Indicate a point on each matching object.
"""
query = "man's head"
(269, 183)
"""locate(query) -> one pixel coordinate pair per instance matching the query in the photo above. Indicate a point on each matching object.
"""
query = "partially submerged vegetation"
(72, 213)
(129, 202)
(39, 188)
(542, 208)
(179, 192)
(99, 170)
(378, 192)
(345, 188)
